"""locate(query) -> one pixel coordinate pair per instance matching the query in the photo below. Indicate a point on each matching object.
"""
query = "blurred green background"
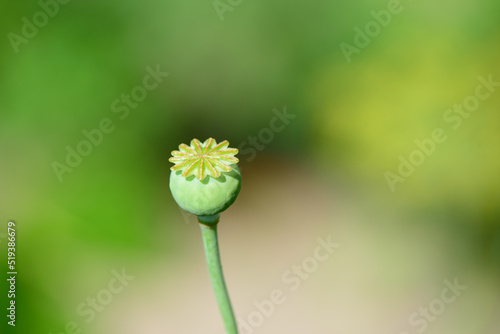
(323, 174)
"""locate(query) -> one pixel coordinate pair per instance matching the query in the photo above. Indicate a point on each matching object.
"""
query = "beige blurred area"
(383, 271)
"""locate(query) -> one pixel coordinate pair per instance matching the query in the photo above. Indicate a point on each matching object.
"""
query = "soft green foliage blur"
(353, 120)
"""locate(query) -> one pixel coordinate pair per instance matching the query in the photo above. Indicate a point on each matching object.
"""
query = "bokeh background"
(322, 175)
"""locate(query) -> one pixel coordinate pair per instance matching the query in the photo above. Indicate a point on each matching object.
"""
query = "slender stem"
(211, 244)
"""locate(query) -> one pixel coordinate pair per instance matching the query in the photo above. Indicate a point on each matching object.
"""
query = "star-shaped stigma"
(202, 159)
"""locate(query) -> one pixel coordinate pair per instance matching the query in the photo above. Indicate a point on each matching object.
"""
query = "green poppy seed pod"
(206, 179)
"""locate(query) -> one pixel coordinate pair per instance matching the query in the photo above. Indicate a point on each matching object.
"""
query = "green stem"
(211, 244)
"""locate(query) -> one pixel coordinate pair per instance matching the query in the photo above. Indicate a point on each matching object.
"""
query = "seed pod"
(206, 179)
